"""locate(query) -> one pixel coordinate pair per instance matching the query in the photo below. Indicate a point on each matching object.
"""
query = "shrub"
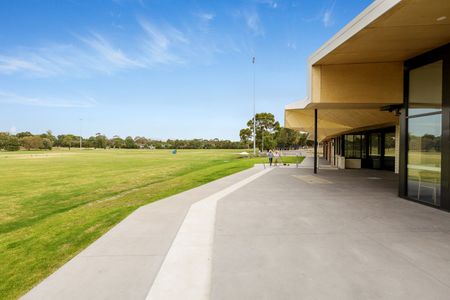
(32, 142)
(47, 144)
(12, 144)
(9, 142)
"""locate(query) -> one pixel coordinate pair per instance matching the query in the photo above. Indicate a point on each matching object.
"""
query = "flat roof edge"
(300, 104)
(367, 16)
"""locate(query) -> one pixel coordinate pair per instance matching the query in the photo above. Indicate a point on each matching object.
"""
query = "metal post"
(315, 141)
(254, 109)
(81, 133)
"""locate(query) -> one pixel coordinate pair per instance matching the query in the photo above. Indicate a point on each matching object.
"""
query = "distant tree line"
(270, 135)
(26, 140)
(46, 141)
(425, 143)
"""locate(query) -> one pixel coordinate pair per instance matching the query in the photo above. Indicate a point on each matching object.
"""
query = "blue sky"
(156, 68)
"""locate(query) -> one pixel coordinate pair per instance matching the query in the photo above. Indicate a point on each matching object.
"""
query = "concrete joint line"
(186, 270)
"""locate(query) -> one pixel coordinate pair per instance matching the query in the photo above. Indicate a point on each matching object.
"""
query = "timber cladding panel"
(358, 83)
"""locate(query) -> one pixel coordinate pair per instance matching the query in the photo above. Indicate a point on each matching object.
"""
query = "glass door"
(424, 133)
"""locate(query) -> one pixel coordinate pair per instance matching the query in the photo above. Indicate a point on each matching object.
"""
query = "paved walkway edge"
(186, 270)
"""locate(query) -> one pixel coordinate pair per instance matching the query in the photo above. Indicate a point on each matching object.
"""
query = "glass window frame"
(356, 151)
(440, 53)
(413, 116)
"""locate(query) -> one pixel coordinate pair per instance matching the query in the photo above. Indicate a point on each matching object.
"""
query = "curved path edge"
(186, 270)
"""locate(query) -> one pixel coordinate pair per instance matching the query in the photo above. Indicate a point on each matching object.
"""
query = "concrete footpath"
(274, 233)
(124, 262)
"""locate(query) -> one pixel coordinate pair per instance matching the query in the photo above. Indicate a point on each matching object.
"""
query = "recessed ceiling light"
(442, 18)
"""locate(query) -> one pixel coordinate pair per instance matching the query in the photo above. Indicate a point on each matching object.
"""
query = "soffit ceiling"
(335, 121)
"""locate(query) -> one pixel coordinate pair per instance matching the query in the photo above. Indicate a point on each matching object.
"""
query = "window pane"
(424, 158)
(363, 146)
(353, 146)
(389, 144)
(357, 146)
(349, 146)
(374, 146)
(425, 89)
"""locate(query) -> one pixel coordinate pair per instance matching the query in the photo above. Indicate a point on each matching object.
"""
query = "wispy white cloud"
(93, 53)
(204, 21)
(292, 45)
(270, 3)
(327, 16)
(252, 21)
(204, 16)
(10, 65)
(160, 43)
(105, 50)
(11, 98)
(63, 59)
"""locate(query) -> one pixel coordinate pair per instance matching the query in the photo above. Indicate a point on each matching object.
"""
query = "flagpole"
(254, 110)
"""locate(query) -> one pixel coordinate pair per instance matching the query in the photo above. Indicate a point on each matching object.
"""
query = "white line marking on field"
(186, 270)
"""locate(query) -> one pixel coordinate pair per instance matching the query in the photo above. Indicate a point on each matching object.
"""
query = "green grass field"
(424, 159)
(53, 204)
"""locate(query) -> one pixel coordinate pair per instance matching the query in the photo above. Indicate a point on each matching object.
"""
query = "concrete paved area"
(338, 235)
(342, 234)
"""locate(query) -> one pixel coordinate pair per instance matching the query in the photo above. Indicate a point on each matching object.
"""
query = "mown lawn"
(53, 204)
(424, 159)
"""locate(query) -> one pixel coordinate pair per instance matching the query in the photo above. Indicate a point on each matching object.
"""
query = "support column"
(315, 141)
(445, 146)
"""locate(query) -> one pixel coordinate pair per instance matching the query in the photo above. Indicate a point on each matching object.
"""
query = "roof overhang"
(360, 69)
(388, 30)
(336, 120)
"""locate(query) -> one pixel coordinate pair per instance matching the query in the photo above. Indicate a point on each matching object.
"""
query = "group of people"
(274, 157)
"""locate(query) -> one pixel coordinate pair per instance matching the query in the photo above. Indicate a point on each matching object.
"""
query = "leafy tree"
(32, 142)
(270, 135)
(4, 138)
(13, 144)
(90, 142)
(47, 144)
(269, 141)
(266, 126)
(288, 138)
(23, 134)
(49, 135)
(9, 142)
(100, 141)
(129, 143)
(141, 142)
(246, 136)
(303, 139)
(117, 142)
(68, 140)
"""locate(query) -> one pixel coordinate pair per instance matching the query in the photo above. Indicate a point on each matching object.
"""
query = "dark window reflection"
(424, 158)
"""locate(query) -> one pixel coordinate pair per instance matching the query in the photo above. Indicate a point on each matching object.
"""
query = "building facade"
(379, 96)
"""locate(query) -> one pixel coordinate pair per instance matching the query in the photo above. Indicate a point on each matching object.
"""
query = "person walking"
(270, 155)
(277, 157)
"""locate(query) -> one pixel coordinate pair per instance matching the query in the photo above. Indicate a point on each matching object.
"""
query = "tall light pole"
(81, 133)
(254, 109)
